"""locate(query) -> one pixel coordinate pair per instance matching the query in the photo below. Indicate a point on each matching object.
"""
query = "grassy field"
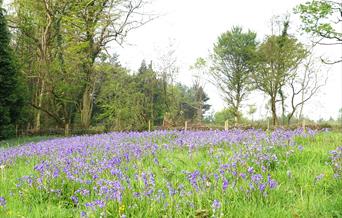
(23, 140)
(169, 174)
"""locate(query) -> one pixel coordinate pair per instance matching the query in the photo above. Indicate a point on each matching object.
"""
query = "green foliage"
(61, 45)
(188, 104)
(277, 58)
(233, 64)
(224, 115)
(321, 18)
(152, 89)
(129, 102)
(11, 100)
(120, 102)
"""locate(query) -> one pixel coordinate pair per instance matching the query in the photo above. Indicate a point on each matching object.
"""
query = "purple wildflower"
(300, 148)
(74, 199)
(319, 177)
(2, 202)
(262, 187)
(225, 184)
(216, 205)
(273, 184)
(243, 176)
(257, 178)
(263, 168)
(250, 170)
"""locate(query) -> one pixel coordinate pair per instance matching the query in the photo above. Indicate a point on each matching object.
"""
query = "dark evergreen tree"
(151, 87)
(10, 96)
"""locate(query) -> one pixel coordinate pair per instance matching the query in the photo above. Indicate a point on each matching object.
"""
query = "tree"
(200, 70)
(304, 84)
(322, 19)
(277, 57)
(168, 71)
(93, 25)
(224, 115)
(11, 101)
(120, 103)
(251, 110)
(152, 89)
(187, 103)
(38, 42)
(232, 66)
(62, 45)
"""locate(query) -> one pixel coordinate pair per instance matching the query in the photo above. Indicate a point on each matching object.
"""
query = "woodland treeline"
(68, 79)
(57, 72)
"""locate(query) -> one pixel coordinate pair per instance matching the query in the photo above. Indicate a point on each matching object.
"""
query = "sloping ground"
(175, 174)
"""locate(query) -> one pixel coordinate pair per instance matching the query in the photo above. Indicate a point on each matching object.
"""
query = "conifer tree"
(10, 99)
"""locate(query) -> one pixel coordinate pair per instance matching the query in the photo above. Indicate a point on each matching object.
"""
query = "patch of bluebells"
(107, 168)
(336, 161)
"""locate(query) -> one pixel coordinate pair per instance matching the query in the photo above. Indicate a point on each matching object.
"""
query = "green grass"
(297, 195)
(23, 140)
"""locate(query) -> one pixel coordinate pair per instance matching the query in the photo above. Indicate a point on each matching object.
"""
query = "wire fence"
(186, 127)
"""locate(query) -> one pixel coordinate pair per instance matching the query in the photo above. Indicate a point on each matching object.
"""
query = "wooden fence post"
(66, 129)
(303, 125)
(186, 126)
(149, 125)
(268, 124)
(226, 125)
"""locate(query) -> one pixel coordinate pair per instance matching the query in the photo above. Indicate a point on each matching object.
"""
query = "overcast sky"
(194, 25)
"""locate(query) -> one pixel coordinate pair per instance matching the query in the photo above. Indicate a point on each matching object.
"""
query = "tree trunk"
(282, 107)
(200, 106)
(40, 103)
(199, 113)
(274, 111)
(237, 113)
(289, 118)
(66, 129)
(301, 111)
(87, 107)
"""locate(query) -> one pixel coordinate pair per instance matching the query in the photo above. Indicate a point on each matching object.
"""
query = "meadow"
(235, 173)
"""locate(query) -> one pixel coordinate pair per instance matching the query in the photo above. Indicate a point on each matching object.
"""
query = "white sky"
(194, 25)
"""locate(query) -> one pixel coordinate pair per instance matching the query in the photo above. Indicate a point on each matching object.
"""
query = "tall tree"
(232, 66)
(304, 83)
(11, 100)
(93, 25)
(152, 89)
(120, 102)
(61, 44)
(200, 104)
(37, 27)
(277, 57)
(200, 69)
(168, 70)
(187, 103)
